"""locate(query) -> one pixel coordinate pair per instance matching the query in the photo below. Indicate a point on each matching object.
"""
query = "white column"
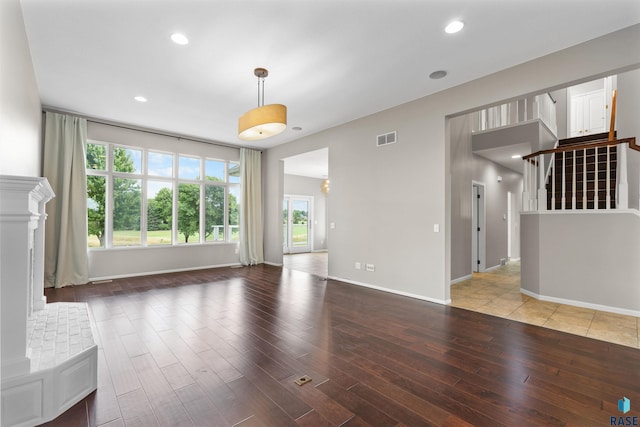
(622, 190)
(39, 300)
(564, 182)
(20, 199)
(526, 206)
(542, 190)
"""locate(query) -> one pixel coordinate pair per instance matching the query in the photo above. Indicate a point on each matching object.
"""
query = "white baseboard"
(461, 279)
(273, 264)
(492, 268)
(320, 250)
(150, 273)
(583, 304)
(391, 291)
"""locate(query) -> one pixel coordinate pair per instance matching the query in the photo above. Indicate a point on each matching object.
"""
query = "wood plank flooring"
(223, 347)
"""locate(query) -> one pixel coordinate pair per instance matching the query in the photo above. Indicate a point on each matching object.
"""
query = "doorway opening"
(305, 212)
(297, 220)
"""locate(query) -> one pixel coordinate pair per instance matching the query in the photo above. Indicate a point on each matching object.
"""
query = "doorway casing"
(478, 227)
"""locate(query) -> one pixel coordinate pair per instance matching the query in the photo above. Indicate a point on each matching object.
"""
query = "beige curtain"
(66, 260)
(251, 250)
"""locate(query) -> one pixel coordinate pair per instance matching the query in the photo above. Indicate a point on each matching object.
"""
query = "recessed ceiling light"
(516, 156)
(140, 98)
(454, 27)
(437, 74)
(179, 38)
(296, 128)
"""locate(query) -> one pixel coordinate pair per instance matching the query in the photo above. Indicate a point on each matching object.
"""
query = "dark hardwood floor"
(223, 347)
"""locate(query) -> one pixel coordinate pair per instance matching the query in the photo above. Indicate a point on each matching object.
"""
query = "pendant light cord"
(260, 91)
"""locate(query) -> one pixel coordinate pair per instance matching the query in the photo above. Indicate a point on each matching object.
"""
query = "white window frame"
(109, 174)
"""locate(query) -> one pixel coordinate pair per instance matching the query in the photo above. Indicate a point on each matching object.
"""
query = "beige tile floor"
(497, 293)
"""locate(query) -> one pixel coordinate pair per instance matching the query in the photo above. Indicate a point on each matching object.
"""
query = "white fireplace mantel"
(48, 355)
(22, 215)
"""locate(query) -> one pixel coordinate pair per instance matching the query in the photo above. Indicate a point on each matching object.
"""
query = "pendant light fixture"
(265, 120)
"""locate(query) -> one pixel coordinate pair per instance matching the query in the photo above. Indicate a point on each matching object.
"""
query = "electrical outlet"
(358, 266)
(371, 267)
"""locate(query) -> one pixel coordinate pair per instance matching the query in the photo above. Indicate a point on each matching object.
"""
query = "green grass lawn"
(132, 238)
(299, 236)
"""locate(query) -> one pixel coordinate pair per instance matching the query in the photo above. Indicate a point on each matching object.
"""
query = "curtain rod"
(141, 129)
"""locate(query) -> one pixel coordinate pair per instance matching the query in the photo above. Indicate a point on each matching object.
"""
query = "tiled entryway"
(497, 293)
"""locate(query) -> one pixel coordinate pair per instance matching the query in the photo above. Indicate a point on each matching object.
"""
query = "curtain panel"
(251, 235)
(66, 261)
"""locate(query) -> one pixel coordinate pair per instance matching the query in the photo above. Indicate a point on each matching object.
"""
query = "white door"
(588, 115)
(297, 220)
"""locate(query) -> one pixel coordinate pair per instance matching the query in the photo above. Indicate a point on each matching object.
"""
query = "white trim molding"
(391, 291)
(151, 273)
(461, 279)
(582, 304)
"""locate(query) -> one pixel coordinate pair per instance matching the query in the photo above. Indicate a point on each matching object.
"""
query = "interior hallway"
(497, 293)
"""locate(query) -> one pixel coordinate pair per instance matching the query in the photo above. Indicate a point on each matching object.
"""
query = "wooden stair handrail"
(594, 144)
(613, 116)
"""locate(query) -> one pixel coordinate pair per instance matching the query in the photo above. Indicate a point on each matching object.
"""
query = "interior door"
(588, 114)
(297, 220)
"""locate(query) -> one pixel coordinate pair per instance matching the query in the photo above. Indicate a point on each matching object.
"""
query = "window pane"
(214, 213)
(189, 168)
(234, 172)
(188, 213)
(126, 211)
(160, 164)
(96, 156)
(214, 170)
(234, 213)
(159, 212)
(300, 219)
(127, 160)
(96, 186)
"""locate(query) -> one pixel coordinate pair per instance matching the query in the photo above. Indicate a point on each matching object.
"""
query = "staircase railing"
(576, 176)
(540, 107)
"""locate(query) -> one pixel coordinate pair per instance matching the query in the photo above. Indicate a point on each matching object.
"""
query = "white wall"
(132, 261)
(406, 185)
(628, 125)
(560, 96)
(561, 261)
(305, 186)
(20, 109)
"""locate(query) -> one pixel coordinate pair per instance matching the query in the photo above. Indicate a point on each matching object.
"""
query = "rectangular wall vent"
(387, 138)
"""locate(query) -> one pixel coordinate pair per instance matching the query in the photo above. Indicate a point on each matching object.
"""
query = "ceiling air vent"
(387, 138)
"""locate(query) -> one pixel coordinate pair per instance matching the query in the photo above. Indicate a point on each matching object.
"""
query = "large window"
(140, 197)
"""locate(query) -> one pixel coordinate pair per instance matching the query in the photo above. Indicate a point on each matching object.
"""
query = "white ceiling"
(313, 164)
(330, 61)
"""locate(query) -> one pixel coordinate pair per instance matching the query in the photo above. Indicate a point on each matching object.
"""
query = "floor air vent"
(387, 138)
